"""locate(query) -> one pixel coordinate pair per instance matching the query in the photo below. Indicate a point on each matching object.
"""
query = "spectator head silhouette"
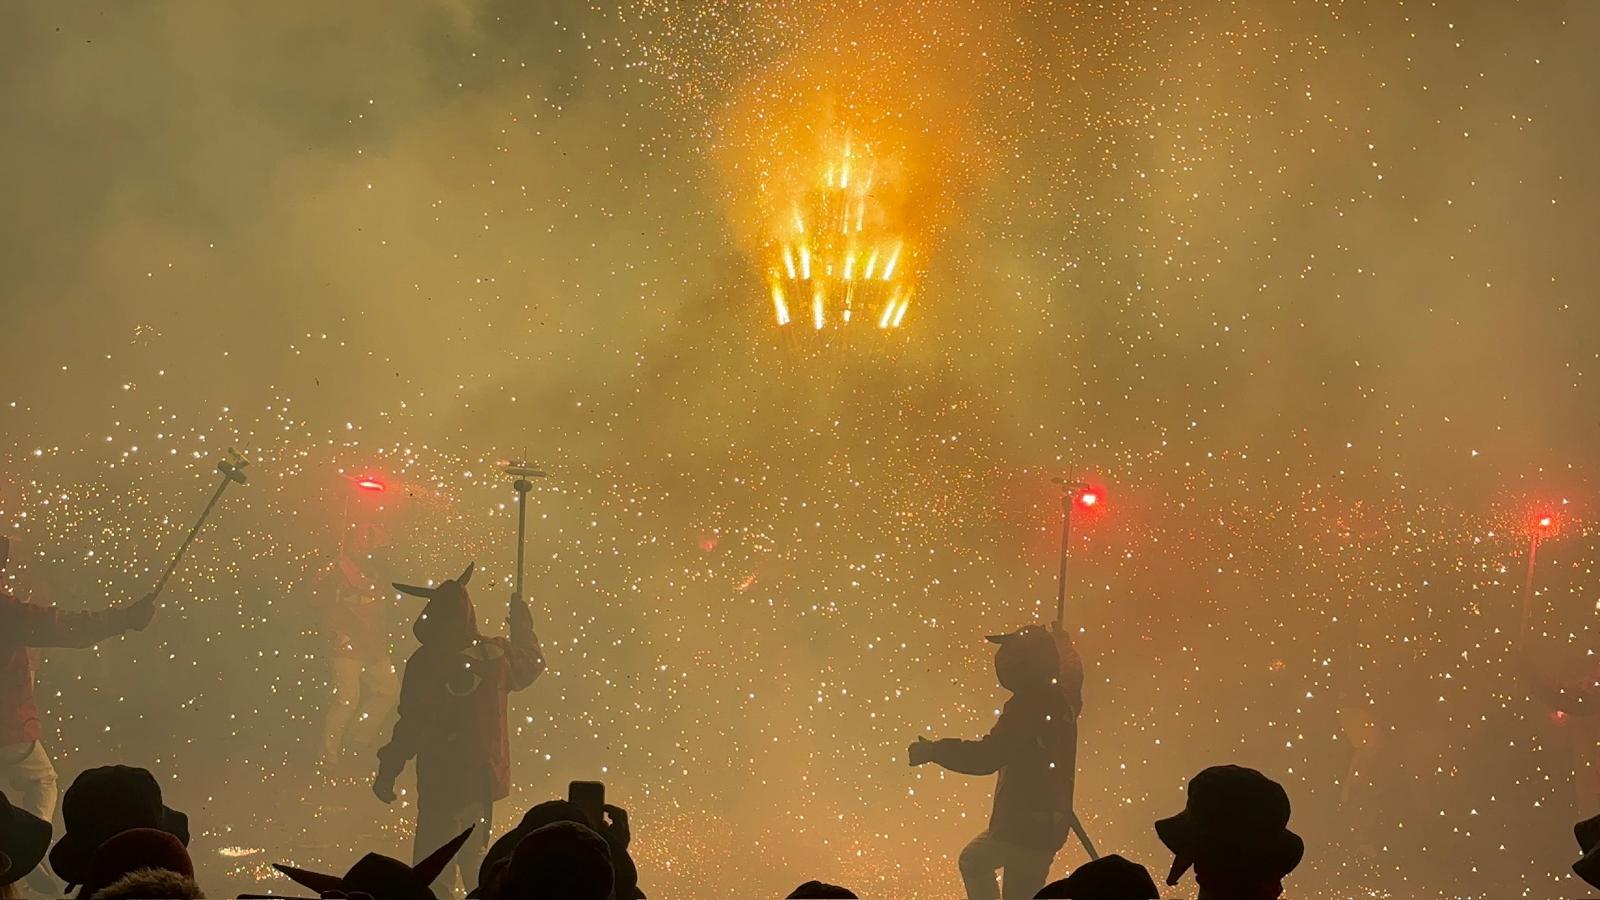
(24, 838)
(1234, 831)
(449, 621)
(150, 884)
(1027, 659)
(499, 855)
(1107, 878)
(820, 890)
(559, 861)
(1588, 866)
(382, 876)
(497, 861)
(134, 850)
(101, 804)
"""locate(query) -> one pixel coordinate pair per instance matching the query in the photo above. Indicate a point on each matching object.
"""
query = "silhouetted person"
(1588, 866)
(1032, 746)
(103, 803)
(559, 861)
(382, 876)
(24, 838)
(821, 890)
(25, 768)
(144, 859)
(1234, 831)
(1107, 878)
(356, 627)
(453, 718)
(614, 831)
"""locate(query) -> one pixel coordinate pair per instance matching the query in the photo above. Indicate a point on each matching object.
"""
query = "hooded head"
(449, 620)
(134, 850)
(382, 876)
(565, 860)
(1027, 659)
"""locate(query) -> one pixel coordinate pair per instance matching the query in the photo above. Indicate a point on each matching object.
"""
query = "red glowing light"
(1089, 499)
(368, 483)
(1546, 521)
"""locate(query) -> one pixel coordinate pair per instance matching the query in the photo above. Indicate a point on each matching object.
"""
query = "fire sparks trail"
(851, 230)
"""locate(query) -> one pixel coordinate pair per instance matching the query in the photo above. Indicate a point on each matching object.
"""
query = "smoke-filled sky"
(1305, 286)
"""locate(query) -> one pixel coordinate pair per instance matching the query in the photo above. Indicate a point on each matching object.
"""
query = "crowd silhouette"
(121, 840)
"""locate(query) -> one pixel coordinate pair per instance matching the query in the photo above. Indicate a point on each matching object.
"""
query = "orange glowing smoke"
(845, 156)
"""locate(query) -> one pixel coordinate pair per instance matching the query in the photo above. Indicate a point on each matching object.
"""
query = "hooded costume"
(382, 876)
(356, 622)
(452, 716)
(1033, 749)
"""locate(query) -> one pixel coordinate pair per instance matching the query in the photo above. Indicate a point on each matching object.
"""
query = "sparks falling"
(837, 241)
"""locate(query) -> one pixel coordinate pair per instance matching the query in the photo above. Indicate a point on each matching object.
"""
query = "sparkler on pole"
(1073, 493)
(522, 486)
(1542, 526)
(366, 483)
(232, 470)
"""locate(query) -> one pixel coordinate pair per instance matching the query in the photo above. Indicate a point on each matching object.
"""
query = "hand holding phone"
(589, 796)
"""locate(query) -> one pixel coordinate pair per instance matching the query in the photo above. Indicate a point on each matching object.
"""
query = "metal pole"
(338, 561)
(1083, 837)
(522, 485)
(231, 472)
(1061, 576)
(1527, 590)
(1069, 492)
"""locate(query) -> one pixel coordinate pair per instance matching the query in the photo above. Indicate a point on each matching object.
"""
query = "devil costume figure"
(453, 719)
(1033, 747)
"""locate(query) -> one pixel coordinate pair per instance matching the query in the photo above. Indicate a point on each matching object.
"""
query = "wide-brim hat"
(101, 804)
(381, 876)
(537, 817)
(1238, 817)
(821, 890)
(1107, 878)
(24, 838)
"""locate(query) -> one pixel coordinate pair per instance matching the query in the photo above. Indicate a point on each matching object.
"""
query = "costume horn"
(317, 881)
(428, 870)
(413, 590)
(467, 575)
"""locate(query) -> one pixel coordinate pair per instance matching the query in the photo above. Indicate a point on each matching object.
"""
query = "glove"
(383, 788)
(921, 751)
(136, 616)
(617, 825)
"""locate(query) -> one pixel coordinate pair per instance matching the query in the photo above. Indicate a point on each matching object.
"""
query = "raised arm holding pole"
(232, 470)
